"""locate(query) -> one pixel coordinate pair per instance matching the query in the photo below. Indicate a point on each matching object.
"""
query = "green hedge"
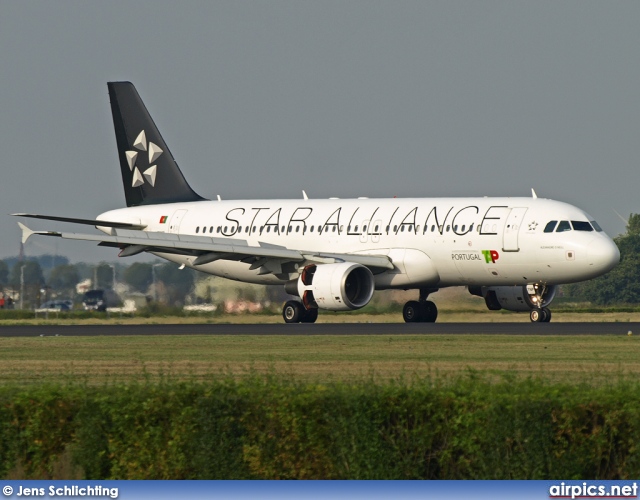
(272, 428)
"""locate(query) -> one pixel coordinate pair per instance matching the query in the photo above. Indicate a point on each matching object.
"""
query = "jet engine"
(336, 287)
(515, 298)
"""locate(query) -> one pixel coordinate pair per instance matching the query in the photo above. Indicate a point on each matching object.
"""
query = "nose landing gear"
(538, 315)
(539, 297)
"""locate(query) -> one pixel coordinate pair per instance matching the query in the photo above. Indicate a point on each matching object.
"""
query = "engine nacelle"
(336, 287)
(515, 298)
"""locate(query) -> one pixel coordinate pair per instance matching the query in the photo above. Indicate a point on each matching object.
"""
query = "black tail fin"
(149, 173)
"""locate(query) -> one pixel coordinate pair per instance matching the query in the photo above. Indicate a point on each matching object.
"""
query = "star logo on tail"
(153, 151)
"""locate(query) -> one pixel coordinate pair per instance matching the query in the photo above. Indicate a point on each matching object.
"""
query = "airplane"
(333, 253)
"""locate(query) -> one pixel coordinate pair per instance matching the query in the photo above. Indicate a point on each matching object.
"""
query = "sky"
(340, 98)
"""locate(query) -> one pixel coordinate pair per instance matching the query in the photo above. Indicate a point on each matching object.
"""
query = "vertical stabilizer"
(149, 173)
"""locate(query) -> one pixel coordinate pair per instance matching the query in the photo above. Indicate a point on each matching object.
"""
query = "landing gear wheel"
(411, 312)
(536, 315)
(309, 316)
(428, 312)
(292, 312)
(546, 315)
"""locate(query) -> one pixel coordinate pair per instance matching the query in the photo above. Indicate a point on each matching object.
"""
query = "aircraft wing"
(208, 249)
(90, 222)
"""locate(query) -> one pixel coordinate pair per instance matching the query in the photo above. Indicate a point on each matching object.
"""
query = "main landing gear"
(538, 315)
(540, 296)
(420, 311)
(294, 312)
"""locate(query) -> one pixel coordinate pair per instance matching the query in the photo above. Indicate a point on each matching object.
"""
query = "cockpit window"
(596, 226)
(563, 226)
(550, 226)
(579, 225)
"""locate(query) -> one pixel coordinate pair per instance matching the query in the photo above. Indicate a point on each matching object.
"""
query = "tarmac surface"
(326, 329)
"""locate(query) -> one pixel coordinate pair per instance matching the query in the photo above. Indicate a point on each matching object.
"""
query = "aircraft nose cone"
(603, 255)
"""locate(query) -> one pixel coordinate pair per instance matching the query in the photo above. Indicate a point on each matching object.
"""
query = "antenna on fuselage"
(533, 193)
(219, 197)
(304, 195)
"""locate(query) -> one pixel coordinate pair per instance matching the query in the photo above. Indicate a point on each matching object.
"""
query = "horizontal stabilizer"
(90, 222)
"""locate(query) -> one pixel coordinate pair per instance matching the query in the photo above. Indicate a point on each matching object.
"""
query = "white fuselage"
(432, 242)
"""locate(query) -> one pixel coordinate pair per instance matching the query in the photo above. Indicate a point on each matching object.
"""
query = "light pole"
(22, 286)
(113, 269)
(155, 288)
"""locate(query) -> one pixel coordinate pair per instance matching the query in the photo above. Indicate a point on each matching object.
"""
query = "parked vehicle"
(99, 300)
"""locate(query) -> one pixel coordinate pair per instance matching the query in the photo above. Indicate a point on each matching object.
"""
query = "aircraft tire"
(411, 312)
(536, 315)
(292, 311)
(429, 312)
(546, 315)
(309, 316)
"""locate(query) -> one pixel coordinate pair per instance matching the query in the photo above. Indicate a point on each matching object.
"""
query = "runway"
(325, 329)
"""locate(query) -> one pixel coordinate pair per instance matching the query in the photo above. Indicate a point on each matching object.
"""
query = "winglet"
(26, 232)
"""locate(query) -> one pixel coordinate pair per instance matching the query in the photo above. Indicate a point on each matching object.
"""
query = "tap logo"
(154, 151)
(490, 256)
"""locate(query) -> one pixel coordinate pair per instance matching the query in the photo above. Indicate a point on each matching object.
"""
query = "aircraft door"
(364, 235)
(176, 220)
(512, 228)
(376, 231)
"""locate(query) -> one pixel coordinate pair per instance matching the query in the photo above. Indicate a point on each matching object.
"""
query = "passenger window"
(596, 226)
(225, 229)
(311, 229)
(579, 225)
(364, 229)
(297, 229)
(211, 229)
(197, 229)
(356, 229)
(550, 226)
(239, 229)
(563, 226)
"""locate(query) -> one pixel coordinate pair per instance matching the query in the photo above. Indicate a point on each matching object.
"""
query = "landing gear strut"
(420, 311)
(294, 312)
